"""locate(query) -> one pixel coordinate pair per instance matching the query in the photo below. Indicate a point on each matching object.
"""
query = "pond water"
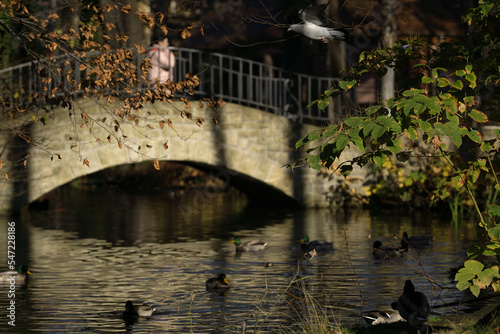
(93, 250)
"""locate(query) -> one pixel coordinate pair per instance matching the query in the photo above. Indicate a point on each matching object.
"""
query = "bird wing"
(312, 14)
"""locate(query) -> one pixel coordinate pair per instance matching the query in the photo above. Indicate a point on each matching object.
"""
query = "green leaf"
(312, 136)
(465, 274)
(412, 133)
(314, 162)
(475, 136)
(301, 142)
(341, 142)
(368, 128)
(379, 159)
(346, 85)
(474, 265)
(494, 233)
(494, 210)
(471, 77)
(475, 290)
(353, 121)
(468, 69)
(478, 116)
(427, 80)
(443, 82)
(460, 73)
(394, 146)
(323, 103)
(463, 285)
(424, 126)
(457, 84)
(378, 131)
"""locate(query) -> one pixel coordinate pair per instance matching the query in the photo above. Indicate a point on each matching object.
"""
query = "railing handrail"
(230, 78)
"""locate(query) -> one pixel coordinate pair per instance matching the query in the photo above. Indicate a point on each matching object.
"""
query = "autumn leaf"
(164, 30)
(86, 162)
(202, 32)
(437, 142)
(165, 144)
(185, 34)
(126, 9)
(216, 122)
(157, 165)
(162, 124)
(5, 175)
(120, 145)
(140, 49)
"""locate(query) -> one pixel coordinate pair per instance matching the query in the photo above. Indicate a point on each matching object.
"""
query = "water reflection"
(89, 258)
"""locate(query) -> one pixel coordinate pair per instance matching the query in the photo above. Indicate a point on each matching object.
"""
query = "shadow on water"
(92, 251)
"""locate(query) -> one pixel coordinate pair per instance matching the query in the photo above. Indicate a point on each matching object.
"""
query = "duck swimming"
(417, 241)
(387, 251)
(134, 311)
(318, 245)
(21, 275)
(252, 245)
(218, 283)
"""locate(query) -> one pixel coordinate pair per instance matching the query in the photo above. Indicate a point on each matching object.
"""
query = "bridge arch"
(248, 146)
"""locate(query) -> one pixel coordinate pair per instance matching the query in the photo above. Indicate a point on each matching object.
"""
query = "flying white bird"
(313, 28)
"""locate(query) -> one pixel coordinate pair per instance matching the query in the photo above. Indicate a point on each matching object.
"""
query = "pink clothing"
(163, 63)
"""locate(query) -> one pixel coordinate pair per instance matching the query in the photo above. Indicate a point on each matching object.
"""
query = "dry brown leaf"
(120, 145)
(162, 124)
(140, 49)
(5, 175)
(185, 34)
(157, 165)
(165, 144)
(126, 9)
(150, 126)
(164, 30)
(86, 162)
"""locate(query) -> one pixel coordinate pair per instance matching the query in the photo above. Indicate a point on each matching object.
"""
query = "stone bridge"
(254, 139)
(247, 149)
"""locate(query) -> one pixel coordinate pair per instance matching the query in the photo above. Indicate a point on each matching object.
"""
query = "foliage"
(72, 60)
(453, 88)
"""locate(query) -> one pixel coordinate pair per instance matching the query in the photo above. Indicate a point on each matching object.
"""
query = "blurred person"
(162, 62)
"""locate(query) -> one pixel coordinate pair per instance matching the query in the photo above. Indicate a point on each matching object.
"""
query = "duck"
(134, 311)
(381, 317)
(218, 283)
(317, 245)
(386, 251)
(21, 275)
(252, 245)
(417, 241)
(413, 306)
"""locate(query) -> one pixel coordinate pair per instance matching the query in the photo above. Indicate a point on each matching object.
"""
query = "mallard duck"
(417, 241)
(381, 317)
(317, 245)
(134, 311)
(21, 275)
(385, 251)
(252, 245)
(218, 283)
(412, 306)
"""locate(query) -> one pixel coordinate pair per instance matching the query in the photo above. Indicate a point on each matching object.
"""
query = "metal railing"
(231, 79)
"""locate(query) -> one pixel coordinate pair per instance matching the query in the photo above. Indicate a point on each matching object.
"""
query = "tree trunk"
(389, 37)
